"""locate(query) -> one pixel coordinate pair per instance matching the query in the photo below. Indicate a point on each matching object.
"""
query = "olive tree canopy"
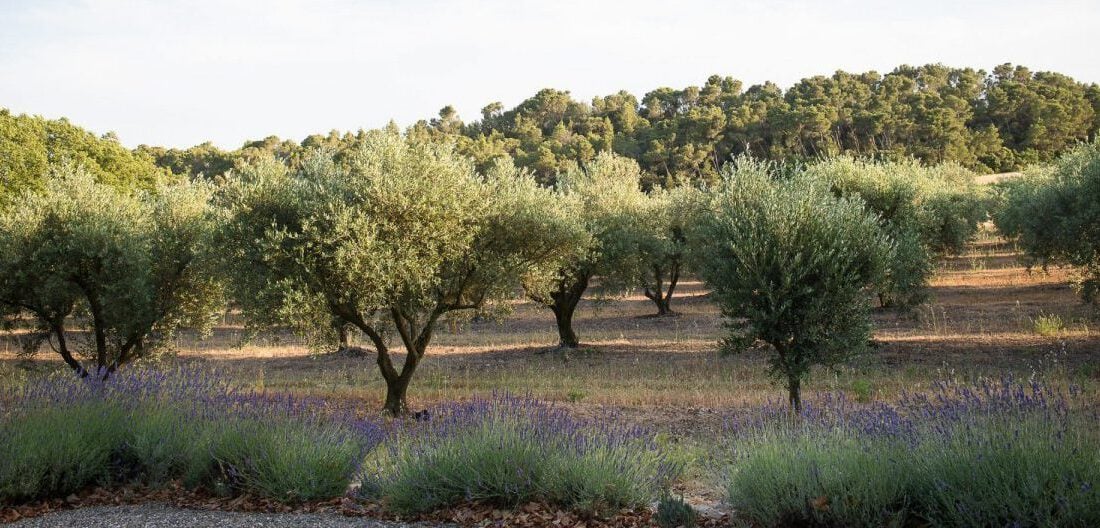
(790, 265)
(604, 202)
(668, 217)
(403, 233)
(928, 211)
(1054, 214)
(131, 267)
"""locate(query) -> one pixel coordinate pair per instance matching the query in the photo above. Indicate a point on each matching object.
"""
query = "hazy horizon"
(179, 73)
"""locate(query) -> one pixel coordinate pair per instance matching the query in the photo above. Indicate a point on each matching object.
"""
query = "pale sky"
(180, 72)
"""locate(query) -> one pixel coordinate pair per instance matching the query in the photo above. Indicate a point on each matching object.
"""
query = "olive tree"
(389, 243)
(131, 267)
(790, 265)
(1054, 214)
(605, 203)
(954, 206)
(668, 214)
(928, 211)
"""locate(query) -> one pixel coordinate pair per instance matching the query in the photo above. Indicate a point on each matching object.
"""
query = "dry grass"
(980, 321)
(994, 178)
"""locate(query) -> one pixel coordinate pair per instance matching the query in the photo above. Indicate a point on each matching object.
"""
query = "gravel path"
(157, 515)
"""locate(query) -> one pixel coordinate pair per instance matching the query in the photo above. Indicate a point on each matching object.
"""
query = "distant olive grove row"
(994, 121)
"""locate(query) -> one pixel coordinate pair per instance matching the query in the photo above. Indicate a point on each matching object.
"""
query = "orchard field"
(449, 323)
(988, 315)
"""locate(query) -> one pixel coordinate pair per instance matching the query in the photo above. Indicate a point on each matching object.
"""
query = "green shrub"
(286, 461)
(513, 452)
(483, 463)
(831, 480)
(1048, 325)
(576, 395)
(54, 452)
(863, 390)
(1024, 473)
(987, 455)
(673, 512)
(986, 475)
(164, 444)
(64, 434)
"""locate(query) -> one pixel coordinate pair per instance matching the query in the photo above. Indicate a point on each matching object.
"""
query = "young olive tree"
(131, 267)
(1054, 214)
(604, 201)
(790, 265)
(668, 215)
(406, 233)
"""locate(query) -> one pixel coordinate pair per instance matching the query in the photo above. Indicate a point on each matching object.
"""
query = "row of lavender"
(62, 434)
(59, 435)
(990, 453)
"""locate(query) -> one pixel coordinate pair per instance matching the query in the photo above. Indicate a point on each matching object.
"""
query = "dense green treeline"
(989, 122)
(31, 145)
(995, 121)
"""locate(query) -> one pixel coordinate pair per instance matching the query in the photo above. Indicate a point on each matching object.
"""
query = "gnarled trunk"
(397, 403)
(414, 335)
(57, 328)
(563, 316)
(661, 296)
(342, 334)
(564, 305)
(100, 332)
(99, 327)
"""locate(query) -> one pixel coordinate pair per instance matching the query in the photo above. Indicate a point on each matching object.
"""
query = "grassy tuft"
(673, 512)
(1048, 325)
(286, 461)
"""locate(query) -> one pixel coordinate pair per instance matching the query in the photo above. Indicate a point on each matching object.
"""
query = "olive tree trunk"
(416, 334)
(564, 305)
(794, 393)
(563, 316)
(57, 328)
(397, 388)
(342, 335)
(657, 292)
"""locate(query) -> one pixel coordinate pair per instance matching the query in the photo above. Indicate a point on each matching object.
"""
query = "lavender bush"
(57, 451)
(61, 434)
(1002, 453)
(509, 450)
